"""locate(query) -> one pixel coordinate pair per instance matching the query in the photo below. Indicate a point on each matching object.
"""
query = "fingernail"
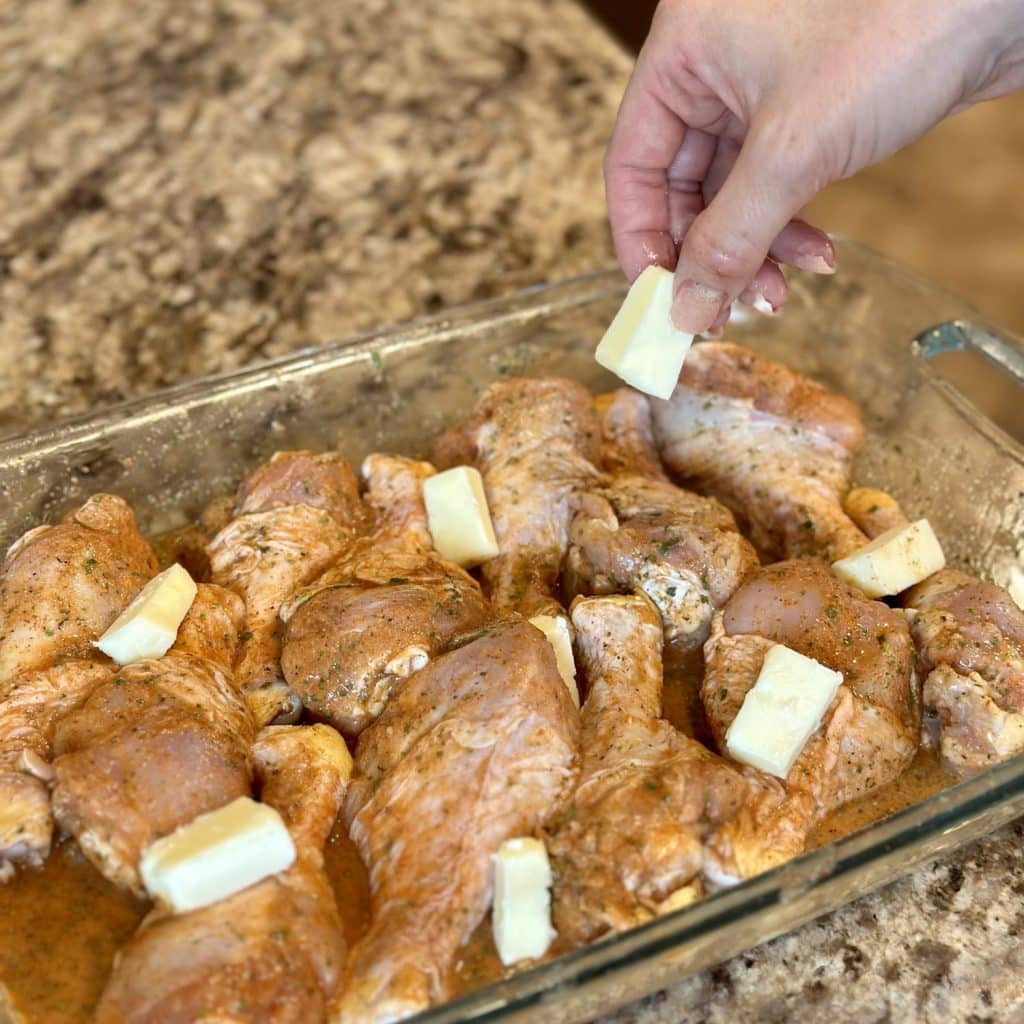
(815, 263)
(695, 306)
(762, 305)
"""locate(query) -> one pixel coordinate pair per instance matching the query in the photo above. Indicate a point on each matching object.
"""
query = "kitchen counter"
(187, 187)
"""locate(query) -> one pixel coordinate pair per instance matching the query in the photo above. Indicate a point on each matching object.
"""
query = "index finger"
(647, 138)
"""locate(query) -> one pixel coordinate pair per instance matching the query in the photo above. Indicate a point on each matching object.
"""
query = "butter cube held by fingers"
(458, 516)
(521, 916)
(149, 625)
(893, 561)
(642, 345)
(781, 710)
(216, 855)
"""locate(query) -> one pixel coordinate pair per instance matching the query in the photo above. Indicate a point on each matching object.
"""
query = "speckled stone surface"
(188, 186)
(944, 945)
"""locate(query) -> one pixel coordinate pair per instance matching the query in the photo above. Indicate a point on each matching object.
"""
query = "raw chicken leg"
(271, 954)
(382, 611)
(535, 443)
(870, 732)
(478, 747)
(641, 533)
(60, 587)
(293, 517)
(969, 636)
(157, 743)
(774, 446)
(656, 817)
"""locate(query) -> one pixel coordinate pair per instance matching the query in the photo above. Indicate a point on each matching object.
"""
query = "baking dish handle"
(959, 335)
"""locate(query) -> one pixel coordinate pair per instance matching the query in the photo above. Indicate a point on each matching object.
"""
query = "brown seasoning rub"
(293, 517)
(382, 611)
(776, 447)
(478, 747)
(969, 636)
(536, 443)
(157, 743)
(272, 952)
(870, 733)
(60, 588)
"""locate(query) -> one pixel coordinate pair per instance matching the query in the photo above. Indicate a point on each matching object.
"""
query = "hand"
(738, 113)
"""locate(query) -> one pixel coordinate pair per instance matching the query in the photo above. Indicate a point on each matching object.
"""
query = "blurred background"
(950, 205)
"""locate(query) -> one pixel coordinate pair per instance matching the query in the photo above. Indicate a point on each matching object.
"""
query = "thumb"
(728, 242)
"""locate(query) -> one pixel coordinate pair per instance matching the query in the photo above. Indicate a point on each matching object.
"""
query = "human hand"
(738, 113)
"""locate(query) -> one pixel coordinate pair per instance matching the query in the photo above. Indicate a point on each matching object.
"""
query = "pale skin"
(738, 113)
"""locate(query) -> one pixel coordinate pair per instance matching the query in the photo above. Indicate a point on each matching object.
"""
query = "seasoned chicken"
(382, 611)
(873, 511)
(30, 706)
(628, 447)
(156, 743)
(478, 747)
(271, 954)
(641, 533)
(293, 517)
(775, 447)
(60, 587)
(535, 443)
(656, 817)
(969, 636)
(870, 732)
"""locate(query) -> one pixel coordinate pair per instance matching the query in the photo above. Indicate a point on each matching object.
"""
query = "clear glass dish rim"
(877, 853)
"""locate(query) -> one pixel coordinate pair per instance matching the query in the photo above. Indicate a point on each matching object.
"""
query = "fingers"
(806, 247)
(767, 291)
(689, 168)
(647, 137)
(653, 172)
(728, 243)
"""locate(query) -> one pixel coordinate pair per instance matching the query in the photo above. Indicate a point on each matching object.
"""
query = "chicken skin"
(478, 747)
(869, 734)
(272, 953)
(156, 743)
(293, 517)
(382, 611)
(656, 817)
(535, 443)
(873, 511)
(775, 447)
(641, 533)
(30, 706)
(628, 446)
(60, 587)
(969, 636)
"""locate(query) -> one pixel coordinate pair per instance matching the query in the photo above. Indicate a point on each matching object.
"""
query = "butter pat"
(556, 629)
(781, 711)
(458, 516)
(521, 917)
(642, 345)
(149, 625)
(894, 560)
(216, 855)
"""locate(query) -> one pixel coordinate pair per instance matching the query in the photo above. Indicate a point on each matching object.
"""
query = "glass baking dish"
(866, 333)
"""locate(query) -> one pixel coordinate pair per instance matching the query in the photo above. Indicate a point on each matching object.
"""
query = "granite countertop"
(189, 186)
